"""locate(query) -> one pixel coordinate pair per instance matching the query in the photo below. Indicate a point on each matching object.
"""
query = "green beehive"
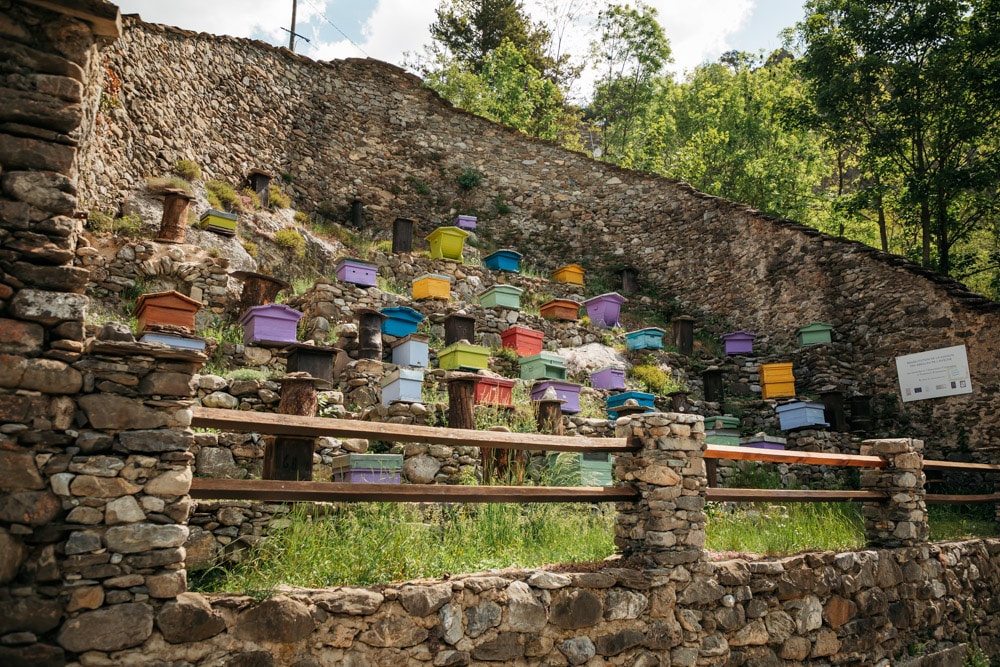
(580, 469)
(817, 332)
(544, 365)
(722, 430)
(463, 355)
(501, 296)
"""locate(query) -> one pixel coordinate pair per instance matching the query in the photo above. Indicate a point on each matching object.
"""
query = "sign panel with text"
(934, 374)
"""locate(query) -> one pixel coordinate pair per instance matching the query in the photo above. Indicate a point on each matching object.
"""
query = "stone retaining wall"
(712, 257)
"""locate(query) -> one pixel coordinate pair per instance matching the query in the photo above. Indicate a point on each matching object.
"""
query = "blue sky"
(386, 29)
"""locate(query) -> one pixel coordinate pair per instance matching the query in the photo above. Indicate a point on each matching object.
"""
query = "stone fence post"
(666, 526)
(901, 520)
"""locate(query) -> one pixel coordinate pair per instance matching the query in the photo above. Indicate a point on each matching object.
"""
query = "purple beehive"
(603, 310)
(361, 274)
(739, 342)
(565, 391)
(273, 323)
(466, 222)
(608, 378)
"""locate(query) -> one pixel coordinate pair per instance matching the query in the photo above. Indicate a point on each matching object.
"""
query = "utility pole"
(291, 33)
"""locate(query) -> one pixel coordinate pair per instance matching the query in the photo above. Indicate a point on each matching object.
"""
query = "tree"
(469, 30)
(915, 85)
(630, 56)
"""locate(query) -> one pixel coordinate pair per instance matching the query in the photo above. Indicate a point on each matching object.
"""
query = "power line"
(335, 27)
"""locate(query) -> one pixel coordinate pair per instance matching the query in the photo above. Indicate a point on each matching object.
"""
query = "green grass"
(957, 522)
(770, 529)
(373, 543)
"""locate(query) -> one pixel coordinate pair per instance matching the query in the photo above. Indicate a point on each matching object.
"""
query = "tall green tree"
(630, 55)
(469, 30)
(915, 86)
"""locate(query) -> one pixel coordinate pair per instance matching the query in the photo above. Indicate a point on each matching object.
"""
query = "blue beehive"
(503, 260)
(650, 338)
(800, 414)
(400, 321)
(411, 350)
(616, 401)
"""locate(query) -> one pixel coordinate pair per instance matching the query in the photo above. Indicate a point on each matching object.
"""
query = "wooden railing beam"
(241, 421)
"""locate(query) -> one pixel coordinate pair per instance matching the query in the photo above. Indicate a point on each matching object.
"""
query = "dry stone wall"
(364, 130)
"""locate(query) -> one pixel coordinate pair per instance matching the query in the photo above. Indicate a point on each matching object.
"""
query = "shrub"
(223, 196)
(301, 218)
(291, 239)
(249, 199)
(98, 222)
(161, 184)
(654, 379)
(500, 205)
(469, 178)
(246, 374)
(384, 246)
(328, 210)
(277, 198)
(251, 248)
(127, 225)
(286, 177)
(187, 170)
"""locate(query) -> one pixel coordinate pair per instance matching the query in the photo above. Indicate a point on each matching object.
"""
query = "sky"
(698, 30)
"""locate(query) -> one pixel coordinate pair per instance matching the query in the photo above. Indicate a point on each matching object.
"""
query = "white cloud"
(698, 31)
(393, 28)
(239, 18)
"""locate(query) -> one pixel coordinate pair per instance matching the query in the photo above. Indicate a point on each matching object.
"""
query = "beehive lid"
(610, 297)
(218, 214)
(403, 313)
(448, 231)
(278, 311)
(647, 330)
(722, 422)
(815, 327)
(168, 299)
(503, 289)
(358, 262)
(739, 335)
(511, 254)
(543, 356)
(412, 338)
(403, 374)
(431, 276)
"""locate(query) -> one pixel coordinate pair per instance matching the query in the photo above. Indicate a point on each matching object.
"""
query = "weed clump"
(188, 170)
(291, 239)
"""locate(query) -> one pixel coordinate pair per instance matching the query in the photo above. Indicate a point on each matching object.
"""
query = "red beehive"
(526, 342)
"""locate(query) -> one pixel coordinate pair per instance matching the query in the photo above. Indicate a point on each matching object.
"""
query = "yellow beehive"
(571, 273)
(431, 286)
(777, 380)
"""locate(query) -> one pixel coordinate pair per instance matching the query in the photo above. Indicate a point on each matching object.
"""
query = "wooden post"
(550, 416)
(258, 289)
(289, 458)
(684, 334)
(175, 216)
(461, 399)
(402, 235)
(459, 326)
(370, 334)
(630, 281)
(679, 401)
(260, 181)
(712, 379)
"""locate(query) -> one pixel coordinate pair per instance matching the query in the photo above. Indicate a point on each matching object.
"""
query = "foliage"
(187, 169)
(246, 374)
(161, 184)
(419, 186)
(223, 196)
(301, 218)
(374, 543)
(501, 206)
(291, 239)
(222, 331)
(909, 91)
(510, 91)
(99, 222)
(654, 379)
(469, 178)
(130, 294)
(764, 528)
(390, 285)
(630, 53)
(251, 248)
(125, 225)
(469, 31)
(277, 198)
(249, 199)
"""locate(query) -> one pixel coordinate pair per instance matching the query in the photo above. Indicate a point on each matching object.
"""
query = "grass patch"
(771, 529)
(958, 522)
(187, 169)
(375, 543)
(291, 239)
(223, 196)
(161, 184)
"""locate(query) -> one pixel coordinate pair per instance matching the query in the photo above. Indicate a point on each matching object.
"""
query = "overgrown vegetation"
(188, 170)
(469, 178)
(160, 184)
(766, 528)
(291, 239)
(125, 225)
(222, 196)
(655, 379)
(372, 543)
(277, 198)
